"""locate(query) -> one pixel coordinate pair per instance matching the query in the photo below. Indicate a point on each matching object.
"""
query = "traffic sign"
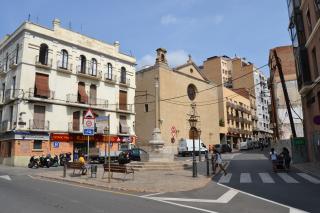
(89, 114)
(56, 144)
(88, 123)
(88, 131)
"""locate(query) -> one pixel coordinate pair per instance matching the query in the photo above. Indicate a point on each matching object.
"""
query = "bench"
(77, 166)
(118, 168)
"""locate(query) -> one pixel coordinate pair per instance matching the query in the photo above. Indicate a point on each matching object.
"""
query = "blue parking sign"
(56, 144)
(88, 131)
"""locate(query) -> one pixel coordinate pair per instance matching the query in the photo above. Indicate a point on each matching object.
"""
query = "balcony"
(41, 94)
(94, 102)
(231, 105)
(87, 73)
(254, 117)
(65, 69)
(253, 106)
(35, 124)
(10, 95)
(74, 127)
(13, 62)
(233, 130)
(5, 126)
(110, 78)
(123, 131)
(124, 81)
(124, 108)
(47, 64)
(2, 70)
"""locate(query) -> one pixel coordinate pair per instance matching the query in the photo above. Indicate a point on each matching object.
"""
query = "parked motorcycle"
(54, 161)
(64, 157)
(42, 161)
(33, 163)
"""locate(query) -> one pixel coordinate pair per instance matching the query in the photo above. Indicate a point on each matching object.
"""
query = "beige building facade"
(174, 103)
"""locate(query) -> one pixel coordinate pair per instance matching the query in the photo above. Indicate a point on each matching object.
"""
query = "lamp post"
(199, 133)
(193, 123)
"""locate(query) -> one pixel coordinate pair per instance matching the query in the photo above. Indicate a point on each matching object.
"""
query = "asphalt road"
(20, 193)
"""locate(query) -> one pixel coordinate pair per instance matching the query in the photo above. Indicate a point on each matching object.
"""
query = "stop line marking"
(6, 177)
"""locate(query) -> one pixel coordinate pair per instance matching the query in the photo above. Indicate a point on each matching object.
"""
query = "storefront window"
(37, 144)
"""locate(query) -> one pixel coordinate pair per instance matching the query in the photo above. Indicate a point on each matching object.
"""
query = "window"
(39, 117)
(109, 71)
(14, 86)
(76, 121)
(123, 100)
(315, 63)
(3, 91)
(41, 88)
(83, 64)
(37, 144)
(123, 75)
(93, 94)
(82, 95)
(43, 54)
(64, 59)
(146, 108)
(7, 61)
(309, 21)
(11, 116)
(93, 67)
(17, 54)
(0, 116)
(124, 129)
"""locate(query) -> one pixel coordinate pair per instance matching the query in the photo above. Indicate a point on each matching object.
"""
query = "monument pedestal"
(158, 151)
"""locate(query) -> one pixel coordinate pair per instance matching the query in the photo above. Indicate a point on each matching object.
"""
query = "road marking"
(6, 177)
(225, 178)
(291, 209)
(225, 198)
(245, 178)
(266, 178)
(309, 178)
(287, 178)
(149, 195)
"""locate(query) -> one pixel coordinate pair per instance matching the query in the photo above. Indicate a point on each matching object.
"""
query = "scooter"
(62, 159)
(54, 161)
(33, 163)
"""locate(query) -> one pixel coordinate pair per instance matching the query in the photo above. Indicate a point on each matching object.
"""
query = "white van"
(186, 147)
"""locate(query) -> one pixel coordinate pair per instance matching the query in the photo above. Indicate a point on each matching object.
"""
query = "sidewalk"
(311, 168)
(144, 181)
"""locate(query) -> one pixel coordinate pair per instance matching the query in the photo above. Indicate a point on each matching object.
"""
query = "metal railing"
(111, 78)
(61, 67)
(125, 131)
(37, 124)
(124, 81)
(13, 62)
(45, 64)
(124, 107)
(46, 94)
(73, 128)
(95, 102)
(88, 72)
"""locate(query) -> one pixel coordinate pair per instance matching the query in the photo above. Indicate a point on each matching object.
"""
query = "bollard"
(207, 160)
(64, 170)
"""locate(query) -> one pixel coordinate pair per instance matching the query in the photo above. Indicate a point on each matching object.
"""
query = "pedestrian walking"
(75, 154)
(287, 159)
(273, 157)
(261, 145)
(218, 162)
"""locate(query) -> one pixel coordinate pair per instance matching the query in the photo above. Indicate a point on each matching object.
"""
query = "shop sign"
(31, 136)
(102, 124)
(65, 137)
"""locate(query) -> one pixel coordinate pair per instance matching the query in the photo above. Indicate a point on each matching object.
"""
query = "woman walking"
(218, 162)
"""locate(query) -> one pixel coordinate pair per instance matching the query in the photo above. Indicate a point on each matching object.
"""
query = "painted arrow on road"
(6, 177)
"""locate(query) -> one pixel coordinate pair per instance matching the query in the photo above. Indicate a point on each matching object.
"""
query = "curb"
(124, 189)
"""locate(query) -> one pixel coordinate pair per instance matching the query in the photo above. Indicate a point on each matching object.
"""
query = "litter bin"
(94, 169)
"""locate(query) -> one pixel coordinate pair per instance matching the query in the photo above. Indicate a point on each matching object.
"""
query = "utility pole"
(285, 93)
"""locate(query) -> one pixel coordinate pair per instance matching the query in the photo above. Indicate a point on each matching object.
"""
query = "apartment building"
(49, 79)
(279, 117)
(240, 75)
(304, 30)
(178, 87)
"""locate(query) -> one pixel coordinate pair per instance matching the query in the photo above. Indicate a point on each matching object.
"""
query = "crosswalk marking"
(225, 178)
(245, 178)
(287, 178)
(309, 178)
(266, 178)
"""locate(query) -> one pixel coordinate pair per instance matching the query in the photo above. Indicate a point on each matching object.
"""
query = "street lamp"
(193, 124)
(199, 132)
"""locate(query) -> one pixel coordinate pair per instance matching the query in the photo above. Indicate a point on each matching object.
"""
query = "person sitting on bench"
(83, 163)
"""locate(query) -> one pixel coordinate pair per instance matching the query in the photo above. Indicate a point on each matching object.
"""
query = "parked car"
(222, 148)
(247, 144)
(256, 144)
(186, 147)
(134, 154)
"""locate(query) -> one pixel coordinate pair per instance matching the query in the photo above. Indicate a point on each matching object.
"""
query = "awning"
(124, 126)
(42, 85)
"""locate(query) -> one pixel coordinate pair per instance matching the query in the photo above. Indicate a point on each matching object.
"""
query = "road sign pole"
(88, 150)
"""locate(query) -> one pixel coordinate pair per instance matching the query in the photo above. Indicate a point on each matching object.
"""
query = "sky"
(201, 28)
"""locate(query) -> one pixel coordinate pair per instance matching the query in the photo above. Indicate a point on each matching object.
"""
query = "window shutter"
(42, 85)
(93, 94)
(82, 93)
(76, 121)
(123, 100)
(39, 117)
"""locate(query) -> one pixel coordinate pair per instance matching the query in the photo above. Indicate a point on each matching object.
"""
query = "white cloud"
(217, 19)
(168, 19)
(147, 60)
(175, 58)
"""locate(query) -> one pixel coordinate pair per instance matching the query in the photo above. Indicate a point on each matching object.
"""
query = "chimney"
(56, 23)
(117, 46)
